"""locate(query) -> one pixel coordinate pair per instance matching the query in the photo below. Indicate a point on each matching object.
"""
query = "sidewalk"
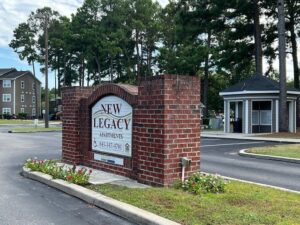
(251, 137)
(101, 177)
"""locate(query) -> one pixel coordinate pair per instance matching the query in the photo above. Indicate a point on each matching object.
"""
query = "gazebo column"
(226, 116)
(295, 116)
(292, 116)
(277, 115)
(246, 116)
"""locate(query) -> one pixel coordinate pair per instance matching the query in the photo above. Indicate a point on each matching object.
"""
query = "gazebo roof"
(257, 84)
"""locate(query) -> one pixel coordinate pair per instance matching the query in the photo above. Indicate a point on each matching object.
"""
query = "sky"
(14, 12)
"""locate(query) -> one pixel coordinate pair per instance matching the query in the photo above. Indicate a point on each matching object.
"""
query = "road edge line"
(124, 210)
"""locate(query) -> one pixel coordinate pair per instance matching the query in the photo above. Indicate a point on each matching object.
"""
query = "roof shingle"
(256, 83)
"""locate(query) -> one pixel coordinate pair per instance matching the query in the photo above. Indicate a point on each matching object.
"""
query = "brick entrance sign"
(141, 132)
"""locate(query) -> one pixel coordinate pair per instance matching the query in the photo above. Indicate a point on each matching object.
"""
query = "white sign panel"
(109, 159)
(112, 126)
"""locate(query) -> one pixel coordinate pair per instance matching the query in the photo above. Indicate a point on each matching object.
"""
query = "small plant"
(77, 176)
(200, 183)
(80, 176)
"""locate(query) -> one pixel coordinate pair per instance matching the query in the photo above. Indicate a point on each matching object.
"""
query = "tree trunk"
(83, 69)
(294, 53)
(283, 121)
(111, 70)
(98, 69)
(257, 37)
(149, 59)
(206, 74)
(138, 68)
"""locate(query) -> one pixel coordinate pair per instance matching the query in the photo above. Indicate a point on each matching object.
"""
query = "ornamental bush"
(200, 183)
(73, 175)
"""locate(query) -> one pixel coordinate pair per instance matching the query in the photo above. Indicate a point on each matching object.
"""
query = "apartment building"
(19, 92)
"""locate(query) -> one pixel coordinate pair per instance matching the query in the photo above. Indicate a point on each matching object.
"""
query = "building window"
(33, 86)
(6, 97)
(265, 117)
(6, 111)
(22, 98)
(6, 83)
(22, 84)
(255, 117)
(33, 112)
(22, 110)
(33, 99)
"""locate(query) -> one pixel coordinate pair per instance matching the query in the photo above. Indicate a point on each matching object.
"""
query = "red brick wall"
(70, 123)
(166, 127)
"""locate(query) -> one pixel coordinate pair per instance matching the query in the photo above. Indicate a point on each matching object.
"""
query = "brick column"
(167, 128)
(71, 135)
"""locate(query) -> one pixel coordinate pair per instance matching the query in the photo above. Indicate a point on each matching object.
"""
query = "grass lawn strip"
(282, 135)
(32, 129)
(290, 151)
(8, 122)
(241, 204)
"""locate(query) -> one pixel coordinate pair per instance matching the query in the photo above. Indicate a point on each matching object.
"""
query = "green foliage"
(199, 183)
(119, 40)
(73, 175)
(22, 115)
(6, 116)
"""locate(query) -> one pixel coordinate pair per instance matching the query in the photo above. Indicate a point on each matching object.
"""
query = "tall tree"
(283, 122)
(293, 16)
(25, 45)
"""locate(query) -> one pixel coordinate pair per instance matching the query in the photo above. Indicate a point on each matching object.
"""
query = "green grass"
(2, 121)
(290, 151)
(32, 129)
(241, 204)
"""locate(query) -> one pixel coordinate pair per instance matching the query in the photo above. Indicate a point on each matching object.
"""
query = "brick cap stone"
(128, 92)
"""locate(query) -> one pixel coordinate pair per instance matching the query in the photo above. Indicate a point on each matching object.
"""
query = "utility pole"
(46, 74)
(283, 121)
(45, 19)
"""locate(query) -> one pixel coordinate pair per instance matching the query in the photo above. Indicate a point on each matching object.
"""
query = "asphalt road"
(221, 156)
(27, 202)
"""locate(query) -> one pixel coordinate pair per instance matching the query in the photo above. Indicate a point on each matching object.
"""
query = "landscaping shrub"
(22, 115)
(200, 183)
(73, 175)
(6, 116)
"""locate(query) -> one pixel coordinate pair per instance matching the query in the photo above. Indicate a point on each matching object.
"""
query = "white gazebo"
(253, 106)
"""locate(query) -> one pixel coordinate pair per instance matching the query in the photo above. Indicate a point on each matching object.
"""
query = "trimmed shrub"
(201, 183)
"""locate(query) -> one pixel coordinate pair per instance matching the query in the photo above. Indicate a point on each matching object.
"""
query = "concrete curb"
(288, 141)
(244, 152)
(129, 212)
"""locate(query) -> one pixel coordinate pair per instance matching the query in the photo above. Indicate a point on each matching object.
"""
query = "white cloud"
(14, 12)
